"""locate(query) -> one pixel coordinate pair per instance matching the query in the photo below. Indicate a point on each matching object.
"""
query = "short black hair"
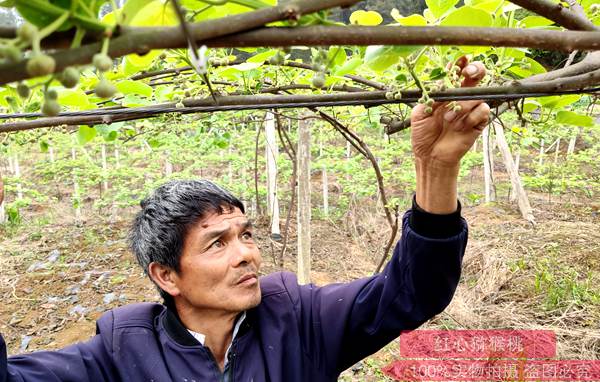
(159, 229)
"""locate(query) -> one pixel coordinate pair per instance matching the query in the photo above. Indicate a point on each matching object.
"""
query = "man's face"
(219, 264)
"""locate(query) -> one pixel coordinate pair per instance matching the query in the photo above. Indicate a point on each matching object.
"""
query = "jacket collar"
(179, 333)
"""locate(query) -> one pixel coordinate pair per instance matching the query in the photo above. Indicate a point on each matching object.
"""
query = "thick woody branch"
(402, 35)
(558, 13)
(517, 89)
(142, 40)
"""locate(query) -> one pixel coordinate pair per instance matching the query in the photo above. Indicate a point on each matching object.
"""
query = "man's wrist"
(436, 186)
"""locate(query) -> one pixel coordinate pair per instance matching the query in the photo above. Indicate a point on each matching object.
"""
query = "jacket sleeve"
(82, 362)
(341, 324)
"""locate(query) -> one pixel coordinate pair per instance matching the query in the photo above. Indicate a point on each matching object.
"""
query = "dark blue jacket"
(297, 333)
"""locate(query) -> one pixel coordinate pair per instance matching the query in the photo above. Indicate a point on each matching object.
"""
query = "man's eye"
(247, 235)
(217, 244)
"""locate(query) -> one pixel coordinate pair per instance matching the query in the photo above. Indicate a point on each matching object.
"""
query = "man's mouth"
(249, 279)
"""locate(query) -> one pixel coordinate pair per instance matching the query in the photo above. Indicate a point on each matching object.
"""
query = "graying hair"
(160, 228)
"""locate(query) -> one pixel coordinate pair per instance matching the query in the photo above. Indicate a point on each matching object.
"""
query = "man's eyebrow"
(248, 224)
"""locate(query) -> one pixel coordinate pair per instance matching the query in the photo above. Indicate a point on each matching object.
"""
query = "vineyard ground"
(515, 276)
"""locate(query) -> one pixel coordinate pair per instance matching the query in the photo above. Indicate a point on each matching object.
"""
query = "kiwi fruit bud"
(27, 32)
(51, 108)
(429, 102)
(23, 90)
(40, 65)
(457, 109)
(421, 100)
(52, 95)
(105, 89)
(428, 110)
(398, 96)
(102, 62)
(12, 53)
(389, 95)
(318, 81)
(69, 77)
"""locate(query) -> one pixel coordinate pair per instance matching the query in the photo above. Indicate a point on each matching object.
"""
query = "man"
(221, 323)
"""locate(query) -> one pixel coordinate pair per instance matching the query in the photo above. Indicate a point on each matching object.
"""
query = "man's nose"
(242, 253)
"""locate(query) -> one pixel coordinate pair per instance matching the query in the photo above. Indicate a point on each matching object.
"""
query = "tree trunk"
(104, 170)
(515, 180)
(324, 182)
(272, 153)
(513, 196)
(168, 164)
(304, 206)
(76, 199)
(117, 158)
(488, 167)
(18, 176)
(541, 155)
(572, 141)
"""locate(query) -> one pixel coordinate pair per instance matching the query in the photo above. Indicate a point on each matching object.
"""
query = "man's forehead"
(235, 216)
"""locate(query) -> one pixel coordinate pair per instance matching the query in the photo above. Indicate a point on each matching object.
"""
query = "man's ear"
(164, 277)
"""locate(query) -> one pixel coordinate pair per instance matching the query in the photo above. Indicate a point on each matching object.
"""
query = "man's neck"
(217, 328)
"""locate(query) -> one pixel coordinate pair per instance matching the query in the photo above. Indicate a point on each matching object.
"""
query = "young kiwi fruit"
(40, 65)
(23, 90)
(105, 89)
(69, 77)
(318, 80)
(51, 108)
(102, 62)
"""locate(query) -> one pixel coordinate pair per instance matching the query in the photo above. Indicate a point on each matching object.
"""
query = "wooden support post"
(51, 152)
(541, 154)
(2, 210)
(304, 205)
(18, 176)
(515, 180)
(76, 198)
(324, 182)
(488, 167)
(117, 158)
(572, 141)
(556, 151)
(272, 153)
(104, 170)
(168, 164)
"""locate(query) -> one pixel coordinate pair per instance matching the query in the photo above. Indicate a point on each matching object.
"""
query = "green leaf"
(349, 66)
(530, 105)
(109, 132)
(361, 17)
(131, 9)
(44, 146)
(85, 134)
(134, 87)
(489, 6)
(154, 143)
(439, 7)
(74, 97)
(245, 66)
(535, 21)
(336, 55)
(411, 21)
(262, 57)
(571, 118)
(468, 16)
(558, 101)
(131, 100)
(380, 57)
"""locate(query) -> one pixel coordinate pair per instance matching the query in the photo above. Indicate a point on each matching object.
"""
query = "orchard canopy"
(75, 63)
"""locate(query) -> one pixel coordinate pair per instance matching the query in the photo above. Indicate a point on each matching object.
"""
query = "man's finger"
(465, 107)
(473, 73)
(478, 117)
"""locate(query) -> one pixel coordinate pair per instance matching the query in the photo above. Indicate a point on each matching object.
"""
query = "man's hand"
(442, 138)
